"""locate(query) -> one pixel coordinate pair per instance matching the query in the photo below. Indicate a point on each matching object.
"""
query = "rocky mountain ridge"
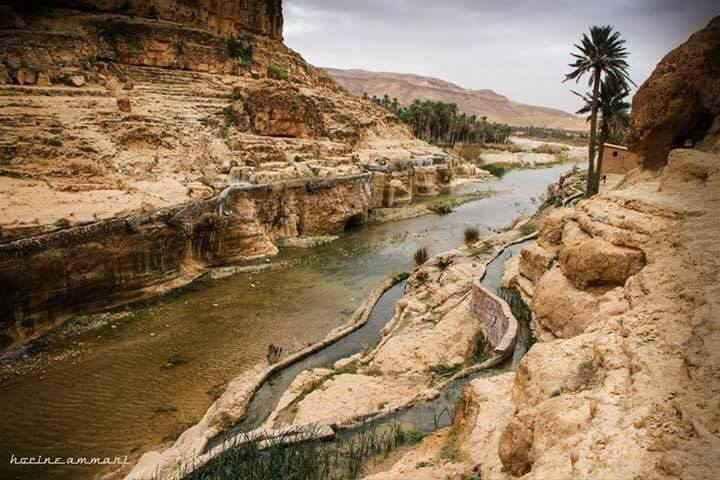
(498, 108)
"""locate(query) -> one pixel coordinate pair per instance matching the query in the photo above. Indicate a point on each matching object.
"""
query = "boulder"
(679, 104)
(535, 261)
(43, 80)
(598, 262)
(560, 307)
(112, 84)
(4, 75)
(77, 80)
(124, 104)
(514, 447)
(25, 77)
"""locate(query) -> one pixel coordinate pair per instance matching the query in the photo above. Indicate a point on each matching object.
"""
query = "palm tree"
(602, 53)
(614, 118)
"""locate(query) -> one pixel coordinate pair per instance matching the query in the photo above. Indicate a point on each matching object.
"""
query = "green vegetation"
(565, 136)
(308, 459)
(277, 72)
(415, 436)
(443, 207)
(421, 256)
(527, 229)
(239, 51)
(496, 170)
(520, 310)
(602, 56)
(400, 277)
(471, 234)
(480, 354)
(440, 122)
(444, 262)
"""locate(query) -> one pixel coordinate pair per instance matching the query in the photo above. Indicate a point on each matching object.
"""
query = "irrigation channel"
(124, 382)
(421, 418)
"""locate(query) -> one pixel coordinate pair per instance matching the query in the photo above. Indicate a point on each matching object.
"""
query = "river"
(143, 377)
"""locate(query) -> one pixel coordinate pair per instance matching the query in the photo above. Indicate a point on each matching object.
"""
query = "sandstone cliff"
(117, 118)
(678, 105)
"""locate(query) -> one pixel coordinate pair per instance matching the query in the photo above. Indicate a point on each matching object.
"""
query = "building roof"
(618, 147)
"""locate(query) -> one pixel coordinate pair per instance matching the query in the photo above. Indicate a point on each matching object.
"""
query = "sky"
(518, 48)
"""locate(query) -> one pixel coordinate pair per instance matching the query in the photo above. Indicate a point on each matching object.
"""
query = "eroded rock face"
(221, 17)
(680, 102)
(47, 279)
(618, 384)
(279, 110)
(596, 262)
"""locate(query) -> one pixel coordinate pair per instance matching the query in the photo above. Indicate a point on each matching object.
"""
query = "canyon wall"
(47, 278)
(262, 17)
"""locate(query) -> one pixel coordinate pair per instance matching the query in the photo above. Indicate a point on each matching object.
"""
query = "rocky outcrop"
(617, 385)
(680, 103)
(223, 17)
(48, 278)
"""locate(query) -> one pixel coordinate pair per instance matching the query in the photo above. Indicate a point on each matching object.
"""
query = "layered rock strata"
(45, 279)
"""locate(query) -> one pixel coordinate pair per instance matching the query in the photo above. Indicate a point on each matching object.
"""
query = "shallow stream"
(146, 373)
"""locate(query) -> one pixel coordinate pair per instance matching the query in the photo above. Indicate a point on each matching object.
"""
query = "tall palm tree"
(614, 118)
(602, 53)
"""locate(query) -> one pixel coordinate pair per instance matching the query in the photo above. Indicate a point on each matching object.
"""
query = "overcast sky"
(517, 48)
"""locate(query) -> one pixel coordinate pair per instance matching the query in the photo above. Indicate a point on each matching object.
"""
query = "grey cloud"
(517, 48)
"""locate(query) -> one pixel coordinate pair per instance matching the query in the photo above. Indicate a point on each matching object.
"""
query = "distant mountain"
(408, 87)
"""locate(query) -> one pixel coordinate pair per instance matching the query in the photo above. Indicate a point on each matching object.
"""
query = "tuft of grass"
(401, 277)
(274, 353)
(421, 256)
(293, 457)
(415, 436)
(446, 371)
(444, 262)
(277, 72)
(527, 229)
(471, 234)
(443, 207)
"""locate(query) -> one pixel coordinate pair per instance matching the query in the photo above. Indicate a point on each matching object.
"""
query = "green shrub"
(421, 255)
(238, 50)
(495, 170)
(277, 72)
(472, 235)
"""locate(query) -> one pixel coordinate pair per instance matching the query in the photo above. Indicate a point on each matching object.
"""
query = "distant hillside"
(408, 87)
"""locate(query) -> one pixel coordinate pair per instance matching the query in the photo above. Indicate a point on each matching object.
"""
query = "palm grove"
(441, 123)
(601, 56)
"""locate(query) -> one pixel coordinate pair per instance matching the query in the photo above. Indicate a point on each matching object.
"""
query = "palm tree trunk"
(593, 134)
(598, 170)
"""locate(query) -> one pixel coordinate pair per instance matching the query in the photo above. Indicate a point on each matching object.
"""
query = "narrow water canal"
(141, 379)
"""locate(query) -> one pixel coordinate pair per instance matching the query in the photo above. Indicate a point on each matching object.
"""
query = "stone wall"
(48, 278)
(499, 324)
